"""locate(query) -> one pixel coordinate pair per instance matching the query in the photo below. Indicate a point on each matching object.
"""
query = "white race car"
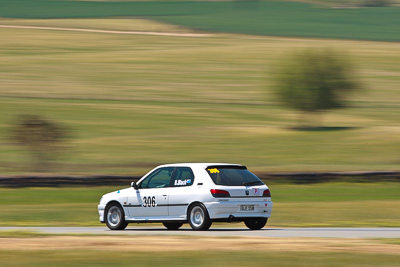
(194, 193)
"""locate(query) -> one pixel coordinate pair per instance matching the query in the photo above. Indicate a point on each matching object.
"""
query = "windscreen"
(232, 176)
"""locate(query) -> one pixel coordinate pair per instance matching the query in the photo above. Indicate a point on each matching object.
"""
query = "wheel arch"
(191, 205)
(113, 202)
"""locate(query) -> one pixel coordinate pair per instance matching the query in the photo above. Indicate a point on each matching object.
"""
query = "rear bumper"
(230, 210)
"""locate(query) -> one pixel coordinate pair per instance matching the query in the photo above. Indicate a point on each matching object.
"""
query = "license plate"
(246, 207)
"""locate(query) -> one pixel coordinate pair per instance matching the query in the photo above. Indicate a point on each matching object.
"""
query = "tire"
(115, 217)
(256, 223)
(172, 226)
(198, 218)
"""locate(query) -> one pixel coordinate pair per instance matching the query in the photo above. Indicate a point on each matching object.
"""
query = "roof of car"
(203, 165)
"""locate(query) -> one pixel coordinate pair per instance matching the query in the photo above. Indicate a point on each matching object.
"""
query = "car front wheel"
(199, 219)
(255, 223)
(115, 217)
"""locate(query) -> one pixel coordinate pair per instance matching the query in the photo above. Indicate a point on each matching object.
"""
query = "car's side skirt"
(157, 220)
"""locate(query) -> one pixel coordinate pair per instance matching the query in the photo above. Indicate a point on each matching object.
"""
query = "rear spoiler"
(241, 167)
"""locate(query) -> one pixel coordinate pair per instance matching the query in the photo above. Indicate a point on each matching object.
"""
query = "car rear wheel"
(255, 223)
(198, 218)
(115, 217)
(172, 226)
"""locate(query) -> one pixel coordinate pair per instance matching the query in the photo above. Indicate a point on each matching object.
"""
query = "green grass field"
(218, 258)
(278, 18)
(324, 205)
(132, 101)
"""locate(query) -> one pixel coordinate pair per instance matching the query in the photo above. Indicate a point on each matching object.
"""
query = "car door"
(150, 200)
(181, 192)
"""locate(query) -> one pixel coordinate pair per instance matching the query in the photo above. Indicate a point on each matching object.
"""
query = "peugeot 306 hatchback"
(194, 193)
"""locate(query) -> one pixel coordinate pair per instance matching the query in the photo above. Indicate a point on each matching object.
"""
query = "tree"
(315, 81)
(40, 136)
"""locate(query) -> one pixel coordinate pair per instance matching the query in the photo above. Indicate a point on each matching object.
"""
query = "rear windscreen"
(232, 176)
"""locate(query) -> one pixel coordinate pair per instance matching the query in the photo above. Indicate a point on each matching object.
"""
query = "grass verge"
(197, 251)
(324, 205)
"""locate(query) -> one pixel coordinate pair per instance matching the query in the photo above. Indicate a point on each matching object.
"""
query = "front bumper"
(101, 209)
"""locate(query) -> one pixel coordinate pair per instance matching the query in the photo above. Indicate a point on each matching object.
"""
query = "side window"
(183, 177)
(158, 179)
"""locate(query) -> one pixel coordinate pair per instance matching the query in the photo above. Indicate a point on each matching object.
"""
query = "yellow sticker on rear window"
(215, 170)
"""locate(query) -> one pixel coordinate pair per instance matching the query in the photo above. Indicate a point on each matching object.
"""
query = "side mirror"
(134, 185)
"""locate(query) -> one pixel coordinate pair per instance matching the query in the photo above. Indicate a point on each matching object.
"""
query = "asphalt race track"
(266, 232)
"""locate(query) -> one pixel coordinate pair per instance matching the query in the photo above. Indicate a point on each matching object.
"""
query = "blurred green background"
(317, 205)
(193, 81)
(130, 102)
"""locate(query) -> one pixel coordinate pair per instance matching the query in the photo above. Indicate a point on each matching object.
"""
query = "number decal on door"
(149, 202)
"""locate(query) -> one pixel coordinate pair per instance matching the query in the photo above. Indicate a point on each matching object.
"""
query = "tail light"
(219, 193)
(267, 193)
